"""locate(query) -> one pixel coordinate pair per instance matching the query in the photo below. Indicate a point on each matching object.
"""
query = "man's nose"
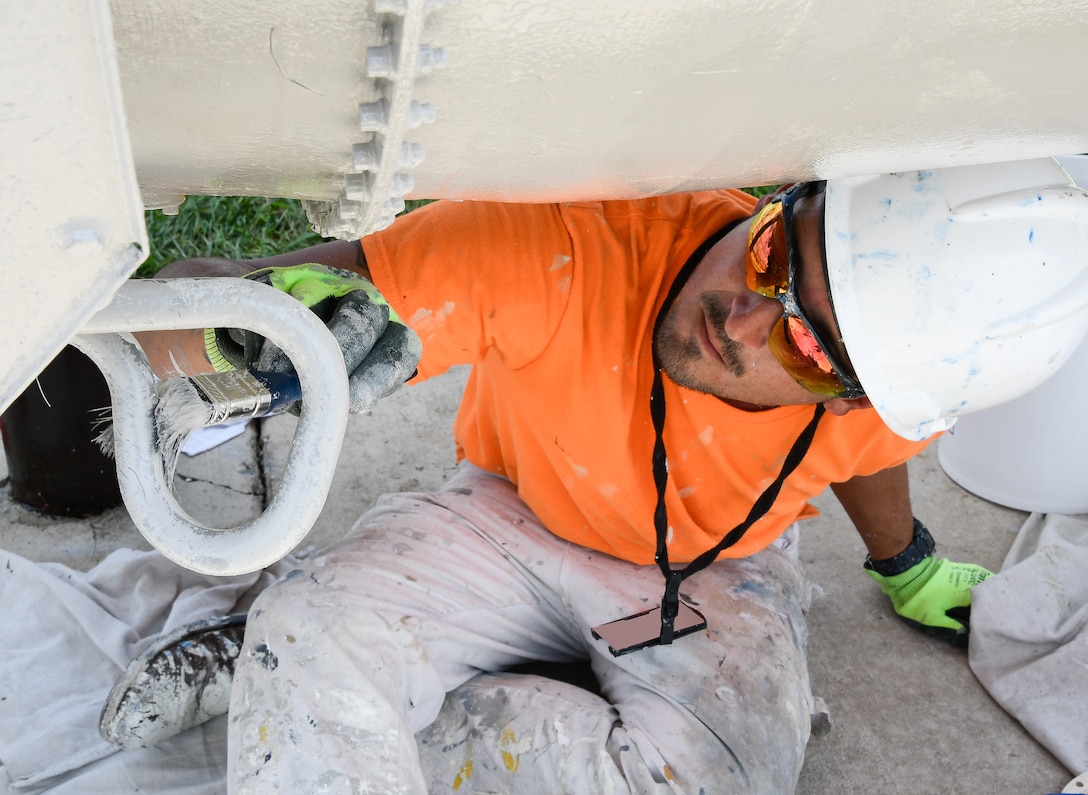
(751, 318)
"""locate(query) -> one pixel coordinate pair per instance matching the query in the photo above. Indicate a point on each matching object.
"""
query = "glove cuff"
(921, 547)
(220, 362)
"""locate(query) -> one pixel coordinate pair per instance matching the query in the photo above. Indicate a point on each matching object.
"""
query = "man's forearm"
(879, 507)
(932, 595)
(346, 254)
(183, 352)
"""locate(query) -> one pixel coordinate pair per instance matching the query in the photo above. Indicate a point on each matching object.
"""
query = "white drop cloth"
(67, 635)
(1029, 634)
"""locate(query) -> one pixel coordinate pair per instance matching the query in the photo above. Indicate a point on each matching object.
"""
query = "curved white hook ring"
(150, 305)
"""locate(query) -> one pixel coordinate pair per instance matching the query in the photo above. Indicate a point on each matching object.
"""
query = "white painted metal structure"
(351, 104)
(317, 99)
(561, 99)
(70, 208)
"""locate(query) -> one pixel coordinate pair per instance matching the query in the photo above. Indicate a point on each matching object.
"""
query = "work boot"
(180, 681)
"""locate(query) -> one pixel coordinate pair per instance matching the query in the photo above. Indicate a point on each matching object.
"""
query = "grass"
(235, 227)
(241, 227)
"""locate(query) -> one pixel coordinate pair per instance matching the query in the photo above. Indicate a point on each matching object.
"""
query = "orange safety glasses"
(771, 272)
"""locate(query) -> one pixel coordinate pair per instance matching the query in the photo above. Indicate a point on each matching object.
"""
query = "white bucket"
(1028, 453)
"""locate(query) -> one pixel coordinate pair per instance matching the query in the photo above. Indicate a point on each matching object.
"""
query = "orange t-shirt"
(554, 305)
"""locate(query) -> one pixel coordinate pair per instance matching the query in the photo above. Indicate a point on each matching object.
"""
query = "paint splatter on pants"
(342, 686)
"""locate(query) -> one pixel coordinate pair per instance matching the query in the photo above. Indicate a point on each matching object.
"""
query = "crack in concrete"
(263, 486)
(190, 479)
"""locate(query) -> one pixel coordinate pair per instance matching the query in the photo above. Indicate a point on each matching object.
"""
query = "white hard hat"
(956, 289)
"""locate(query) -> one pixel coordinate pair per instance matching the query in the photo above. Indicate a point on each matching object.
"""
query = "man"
(654, 382)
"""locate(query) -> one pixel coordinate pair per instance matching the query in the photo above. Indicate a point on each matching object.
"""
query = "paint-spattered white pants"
(342, 685)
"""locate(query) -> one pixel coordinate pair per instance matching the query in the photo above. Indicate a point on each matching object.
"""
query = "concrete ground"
(907, 714)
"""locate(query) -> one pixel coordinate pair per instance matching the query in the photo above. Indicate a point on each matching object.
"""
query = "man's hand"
(380, 352)
(934, 596)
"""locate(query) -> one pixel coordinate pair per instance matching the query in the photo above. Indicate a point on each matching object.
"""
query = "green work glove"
(934, 596)
(380, 351)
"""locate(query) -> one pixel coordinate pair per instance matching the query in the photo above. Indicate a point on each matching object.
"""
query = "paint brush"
(187, 403)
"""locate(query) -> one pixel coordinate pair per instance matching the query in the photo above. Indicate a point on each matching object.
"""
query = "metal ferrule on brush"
(233, 396)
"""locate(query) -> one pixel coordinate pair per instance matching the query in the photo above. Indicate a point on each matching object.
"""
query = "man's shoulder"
(864, 429)
(677, 205)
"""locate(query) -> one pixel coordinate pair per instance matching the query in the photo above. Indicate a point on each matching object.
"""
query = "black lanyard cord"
(670, 603)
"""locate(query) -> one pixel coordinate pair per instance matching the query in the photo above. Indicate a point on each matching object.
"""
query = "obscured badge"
(643, 630)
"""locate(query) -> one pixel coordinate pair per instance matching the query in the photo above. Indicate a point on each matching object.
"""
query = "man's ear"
(768, 198)
(842, 406)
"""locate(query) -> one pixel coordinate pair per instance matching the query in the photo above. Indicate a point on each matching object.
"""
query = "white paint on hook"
(238, 303)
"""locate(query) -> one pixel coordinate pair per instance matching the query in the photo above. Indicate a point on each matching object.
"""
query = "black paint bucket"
(54, 464)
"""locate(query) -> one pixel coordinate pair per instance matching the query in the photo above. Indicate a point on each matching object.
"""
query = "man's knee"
(519, 733)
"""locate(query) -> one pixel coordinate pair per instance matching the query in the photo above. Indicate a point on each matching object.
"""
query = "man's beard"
(679, 355)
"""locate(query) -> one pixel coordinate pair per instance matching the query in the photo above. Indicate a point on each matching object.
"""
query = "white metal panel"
(563, 99)
(70, 212)
(560, 99)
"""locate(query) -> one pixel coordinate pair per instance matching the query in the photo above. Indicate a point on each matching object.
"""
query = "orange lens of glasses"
(768, 271)
(792, 341)
(800, 355)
